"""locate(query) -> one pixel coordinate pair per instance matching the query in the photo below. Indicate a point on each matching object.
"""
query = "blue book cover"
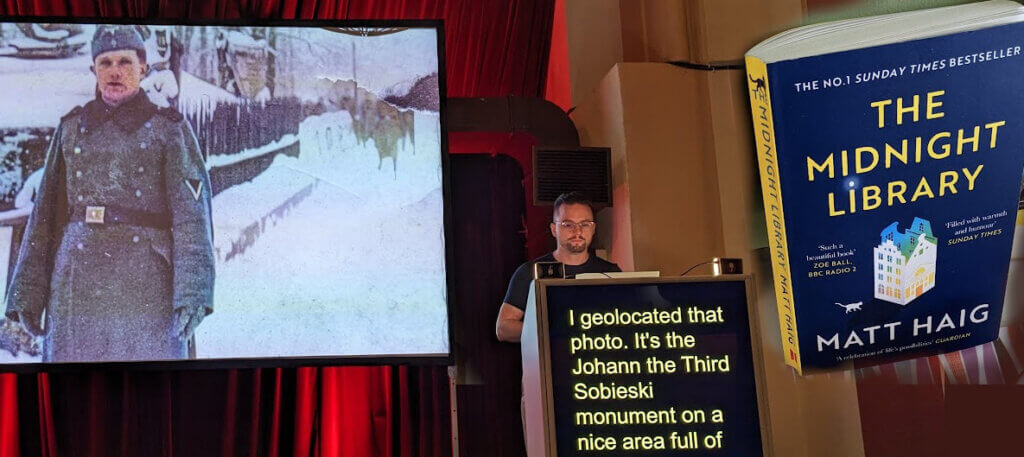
(891, 179)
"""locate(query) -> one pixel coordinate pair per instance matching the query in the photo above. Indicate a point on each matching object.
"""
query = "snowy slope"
(355, 268)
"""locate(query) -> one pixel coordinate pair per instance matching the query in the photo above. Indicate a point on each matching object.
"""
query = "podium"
(651, 366)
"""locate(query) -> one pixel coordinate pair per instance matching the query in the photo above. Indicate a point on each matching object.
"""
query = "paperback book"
(891, 151)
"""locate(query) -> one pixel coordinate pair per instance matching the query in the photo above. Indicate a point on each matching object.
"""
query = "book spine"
(768, 159)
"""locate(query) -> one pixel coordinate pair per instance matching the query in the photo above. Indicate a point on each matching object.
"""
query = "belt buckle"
(94, 214)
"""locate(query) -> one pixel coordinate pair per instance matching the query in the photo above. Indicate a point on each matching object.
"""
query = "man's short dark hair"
(573, 198)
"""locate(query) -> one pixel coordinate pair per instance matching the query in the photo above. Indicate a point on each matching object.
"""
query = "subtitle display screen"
(653, 369)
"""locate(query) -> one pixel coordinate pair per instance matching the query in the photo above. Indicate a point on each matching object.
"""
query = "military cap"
(115, 38)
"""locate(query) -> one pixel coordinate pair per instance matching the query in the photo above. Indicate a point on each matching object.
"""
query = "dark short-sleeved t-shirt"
(519, 286)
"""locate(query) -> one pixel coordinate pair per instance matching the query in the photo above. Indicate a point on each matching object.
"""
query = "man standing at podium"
(573, 227)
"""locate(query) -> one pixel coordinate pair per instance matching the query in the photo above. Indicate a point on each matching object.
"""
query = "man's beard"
(575, 248)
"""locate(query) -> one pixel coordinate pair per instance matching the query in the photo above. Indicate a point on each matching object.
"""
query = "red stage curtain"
(558, 89)
(8, 415)
(493, 48)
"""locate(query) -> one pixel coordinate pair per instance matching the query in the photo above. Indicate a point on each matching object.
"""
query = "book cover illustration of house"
(890, 156)
(905, 262)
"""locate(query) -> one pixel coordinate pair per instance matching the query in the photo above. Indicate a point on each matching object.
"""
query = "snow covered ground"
(354, 268)
(221, 160)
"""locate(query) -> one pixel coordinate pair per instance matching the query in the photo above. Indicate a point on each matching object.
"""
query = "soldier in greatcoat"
(117, 259)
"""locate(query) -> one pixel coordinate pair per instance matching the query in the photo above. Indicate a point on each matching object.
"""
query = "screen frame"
(425, 359)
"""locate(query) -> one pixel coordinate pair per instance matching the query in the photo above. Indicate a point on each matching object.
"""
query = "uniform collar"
(129, 116)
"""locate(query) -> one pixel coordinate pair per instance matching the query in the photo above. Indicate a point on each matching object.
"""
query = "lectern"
(643, 366)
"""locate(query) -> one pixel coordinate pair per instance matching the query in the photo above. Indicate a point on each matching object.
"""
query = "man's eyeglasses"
(570, 226)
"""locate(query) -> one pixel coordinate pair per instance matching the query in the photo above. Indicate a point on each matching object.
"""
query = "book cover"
(891, 178)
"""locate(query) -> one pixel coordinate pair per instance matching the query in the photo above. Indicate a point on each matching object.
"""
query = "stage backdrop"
(492, 49)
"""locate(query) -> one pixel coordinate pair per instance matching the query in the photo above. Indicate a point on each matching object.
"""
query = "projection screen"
(259, 194)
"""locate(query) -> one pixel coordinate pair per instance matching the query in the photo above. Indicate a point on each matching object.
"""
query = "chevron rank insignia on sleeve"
(195, 186)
